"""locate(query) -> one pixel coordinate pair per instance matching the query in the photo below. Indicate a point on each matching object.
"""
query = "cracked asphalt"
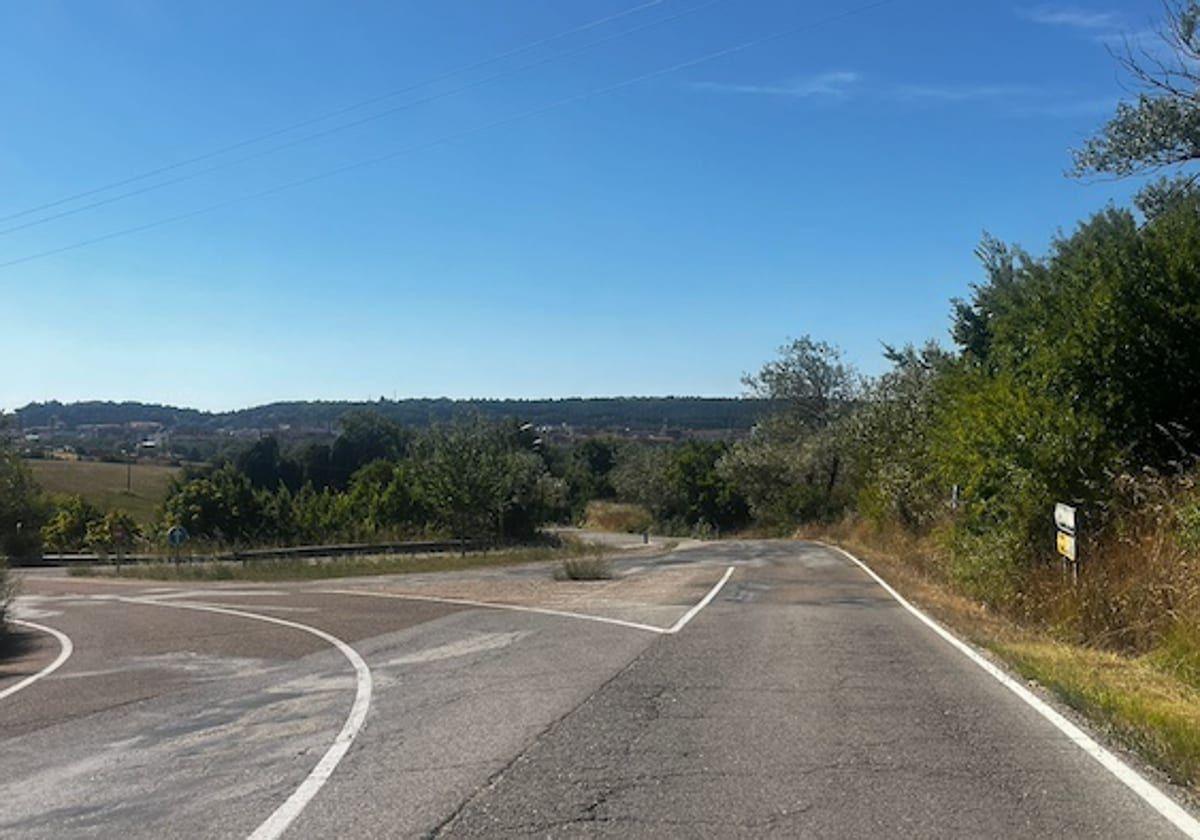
(801, 702)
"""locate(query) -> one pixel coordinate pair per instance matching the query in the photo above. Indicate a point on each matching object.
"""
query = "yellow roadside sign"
(1066, 545)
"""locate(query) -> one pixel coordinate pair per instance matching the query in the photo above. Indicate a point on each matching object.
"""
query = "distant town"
(167, 434)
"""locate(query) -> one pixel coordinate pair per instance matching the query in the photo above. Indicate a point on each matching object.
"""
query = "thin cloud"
(962, 93)
(1014, 99)
(1072, 17)
(835, 83)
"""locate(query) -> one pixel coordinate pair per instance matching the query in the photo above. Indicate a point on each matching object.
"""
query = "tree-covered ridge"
(644, 414)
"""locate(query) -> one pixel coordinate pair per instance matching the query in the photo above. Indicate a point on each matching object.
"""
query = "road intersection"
(731, 689)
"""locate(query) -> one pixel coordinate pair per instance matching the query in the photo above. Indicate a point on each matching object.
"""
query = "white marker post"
(1065, 542)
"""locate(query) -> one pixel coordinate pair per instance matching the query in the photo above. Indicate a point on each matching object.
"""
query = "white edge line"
(66, 648)
(1150, 794)
(704, 602)
(492, 605)
(285, 814)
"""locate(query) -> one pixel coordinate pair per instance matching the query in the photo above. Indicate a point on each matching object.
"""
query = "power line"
(364, 103)
(570, 100)
(355, 123)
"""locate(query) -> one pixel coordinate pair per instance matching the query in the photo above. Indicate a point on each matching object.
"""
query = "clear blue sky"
(663, 238)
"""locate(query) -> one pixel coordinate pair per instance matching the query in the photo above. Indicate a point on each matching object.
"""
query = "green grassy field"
(103, 484)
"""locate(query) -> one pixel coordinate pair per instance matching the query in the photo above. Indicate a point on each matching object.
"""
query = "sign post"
(1065, 538)
(176, 537)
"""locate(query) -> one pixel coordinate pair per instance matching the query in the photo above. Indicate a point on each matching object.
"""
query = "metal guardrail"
(281, 553)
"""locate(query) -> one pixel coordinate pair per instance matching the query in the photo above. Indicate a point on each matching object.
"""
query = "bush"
(67, 529)
(584, 568)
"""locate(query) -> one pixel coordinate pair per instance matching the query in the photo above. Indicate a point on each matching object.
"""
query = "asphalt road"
(801, 701)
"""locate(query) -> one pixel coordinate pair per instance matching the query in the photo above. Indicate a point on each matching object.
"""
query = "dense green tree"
(1106, 325)
(113, 533)
(267, 467)
(67, 528)
(365, 436)
(222, 506)
(477, 479)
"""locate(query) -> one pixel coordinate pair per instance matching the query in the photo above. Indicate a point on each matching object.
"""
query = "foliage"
(22, 508)
(681, 486)
(114, 533)
(1162, 128)
(889, 443)
(67, 528)
(793, 467)
(810, 382)
(470, 479)
(222, 506)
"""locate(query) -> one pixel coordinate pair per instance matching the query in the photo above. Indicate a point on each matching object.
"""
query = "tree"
(265, 466)
(810, 381)
(478, 479)
(1162, 128)
(889, 439)
(67, 529)
(792, 466)
(366, 436)
(221, 506)
(116, 532)
(22, 507)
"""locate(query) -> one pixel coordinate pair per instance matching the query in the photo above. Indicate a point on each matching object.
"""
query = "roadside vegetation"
(327, 568)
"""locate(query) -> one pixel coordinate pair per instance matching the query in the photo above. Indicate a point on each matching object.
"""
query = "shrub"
(584, 568)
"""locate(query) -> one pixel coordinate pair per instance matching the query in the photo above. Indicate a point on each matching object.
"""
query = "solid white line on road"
(1153, 797)
(492, 605)
(285, 814)
(65, 649)
(704, 602)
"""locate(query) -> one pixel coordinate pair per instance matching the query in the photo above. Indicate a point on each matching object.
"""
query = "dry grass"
(616, 516)
(103, 484)
(1148, 700)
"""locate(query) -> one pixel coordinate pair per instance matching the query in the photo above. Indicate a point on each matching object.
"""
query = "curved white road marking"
(704, 602)
(1151, 795)
(66, 648)
(285, 814)
(494, 605)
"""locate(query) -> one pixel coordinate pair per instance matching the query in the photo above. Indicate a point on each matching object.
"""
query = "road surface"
(733, 689)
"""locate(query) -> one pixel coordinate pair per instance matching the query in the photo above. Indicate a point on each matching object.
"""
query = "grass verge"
(323, 568)
(1139, 701)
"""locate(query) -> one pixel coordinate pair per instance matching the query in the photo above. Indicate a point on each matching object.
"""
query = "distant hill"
(635, 413)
